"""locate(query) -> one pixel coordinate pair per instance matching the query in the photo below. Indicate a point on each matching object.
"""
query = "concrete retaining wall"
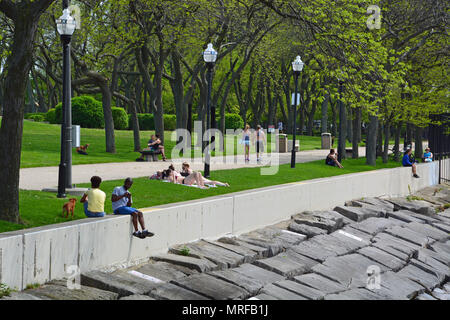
(41, 254)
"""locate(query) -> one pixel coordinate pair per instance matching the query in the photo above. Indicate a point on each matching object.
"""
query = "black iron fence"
(439, 134)
(444, 166)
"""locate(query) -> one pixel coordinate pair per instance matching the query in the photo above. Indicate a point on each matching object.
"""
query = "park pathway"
(47, 177)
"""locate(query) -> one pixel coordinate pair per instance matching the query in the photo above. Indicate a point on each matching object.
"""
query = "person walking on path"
(408, 163)
(260, 141)
(121, 205)
(94, 199)
(246, 142)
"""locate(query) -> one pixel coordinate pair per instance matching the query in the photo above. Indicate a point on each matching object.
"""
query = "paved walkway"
(47, 177)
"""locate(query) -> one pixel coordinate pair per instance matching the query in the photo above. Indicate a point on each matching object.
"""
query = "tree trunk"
(344, 130)
(418, 148)
(17, 68)
(109, 122)
(355, 126)
(324, 121)
(350, 124)
(387, 133)
(135, 124)
(380, 141)
(371, 143)
(398, 130)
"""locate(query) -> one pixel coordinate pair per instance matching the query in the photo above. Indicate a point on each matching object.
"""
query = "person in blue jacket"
(407, 162)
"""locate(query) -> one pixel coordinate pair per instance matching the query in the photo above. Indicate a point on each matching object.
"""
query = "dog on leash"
(69, 207)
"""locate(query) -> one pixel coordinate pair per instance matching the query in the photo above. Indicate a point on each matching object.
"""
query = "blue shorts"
(125, 210)
(92, 214)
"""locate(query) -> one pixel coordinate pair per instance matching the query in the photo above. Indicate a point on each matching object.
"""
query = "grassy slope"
(39, 208)
(41, 145)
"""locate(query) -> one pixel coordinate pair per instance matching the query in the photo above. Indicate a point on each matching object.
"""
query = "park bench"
(150, 154)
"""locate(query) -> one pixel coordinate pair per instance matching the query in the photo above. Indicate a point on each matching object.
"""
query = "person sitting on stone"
(406, 161)
(331, 159)
(94, 199)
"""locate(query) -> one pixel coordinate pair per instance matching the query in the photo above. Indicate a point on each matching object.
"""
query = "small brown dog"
(69, 207)
(82, 149)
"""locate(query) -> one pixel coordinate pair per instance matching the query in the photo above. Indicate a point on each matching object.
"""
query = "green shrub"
(170, 122)
(120, 118)
(233, 121)
(37, 117)
(33, 115)
(86, 112)
(50, 116)
(147, 122)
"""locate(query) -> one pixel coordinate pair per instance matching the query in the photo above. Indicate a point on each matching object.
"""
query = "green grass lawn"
(41, 145)
(40, 208)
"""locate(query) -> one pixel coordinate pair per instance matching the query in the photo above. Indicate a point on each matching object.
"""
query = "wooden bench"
(150, 154)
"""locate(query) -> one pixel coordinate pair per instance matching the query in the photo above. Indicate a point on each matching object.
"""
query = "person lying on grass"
(121, 204)
(194, 178)
(94, 199)
(186, 170)
(331, 159)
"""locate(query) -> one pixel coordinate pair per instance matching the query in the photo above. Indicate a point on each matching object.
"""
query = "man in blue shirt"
(121, 204)
(407, 162)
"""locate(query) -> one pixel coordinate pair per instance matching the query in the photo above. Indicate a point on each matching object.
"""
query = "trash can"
(282, 143)
(75, 136)
(326, 141)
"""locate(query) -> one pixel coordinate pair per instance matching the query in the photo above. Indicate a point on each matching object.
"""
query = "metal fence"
(444, 167)
(439, 134)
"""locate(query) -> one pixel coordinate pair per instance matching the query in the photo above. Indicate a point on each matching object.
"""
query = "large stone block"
(287, 264)
(300, 289)
(382, 257)
(358, 213)
(350, 270)
(169, 291)
(320, 283)
(211, 287)
(280, 293)
(200, 265)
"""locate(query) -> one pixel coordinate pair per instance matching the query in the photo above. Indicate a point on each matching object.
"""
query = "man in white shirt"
(121, 204)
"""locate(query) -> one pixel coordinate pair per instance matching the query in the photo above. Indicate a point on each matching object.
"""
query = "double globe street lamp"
(210, 57)
(297, 67)
(66, 26)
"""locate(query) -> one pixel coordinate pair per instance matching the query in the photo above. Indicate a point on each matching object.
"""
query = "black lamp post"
(297, 66)
(66, 26)
(341, 142)
(210, 56)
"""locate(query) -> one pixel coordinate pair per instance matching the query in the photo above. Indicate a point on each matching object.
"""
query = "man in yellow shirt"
(94, 199)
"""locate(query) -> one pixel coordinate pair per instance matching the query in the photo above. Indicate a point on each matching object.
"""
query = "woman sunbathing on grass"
(186, 170)
(194, 178)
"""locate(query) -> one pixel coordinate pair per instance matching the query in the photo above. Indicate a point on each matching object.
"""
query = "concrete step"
(122, 283)
(212, 287)
(170, 291)
(287, 264)
(220, 256)
(58, 290)
(200, 265)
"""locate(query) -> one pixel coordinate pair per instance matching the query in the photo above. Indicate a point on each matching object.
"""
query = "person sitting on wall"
(121, 205)
(427, 156)
(331, 159)
(406, 161)
(94, 199)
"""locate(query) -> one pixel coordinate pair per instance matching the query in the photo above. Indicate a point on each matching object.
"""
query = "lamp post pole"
(210, 56)
(210, 66)
(294, 127)
(297, 67)
(66, 26)
(341, 142)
